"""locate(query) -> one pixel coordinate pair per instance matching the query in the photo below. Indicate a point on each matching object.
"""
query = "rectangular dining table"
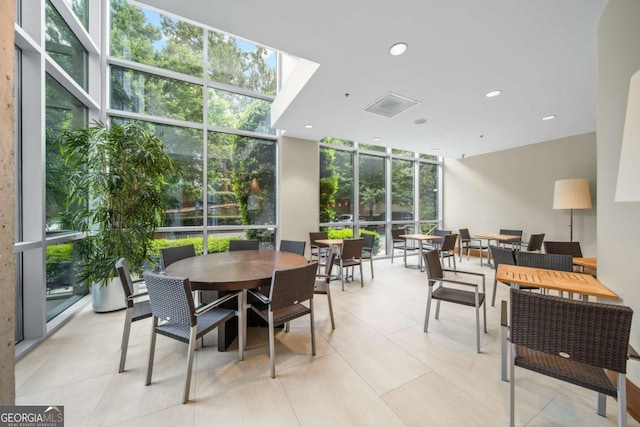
(590, 263)
(563, 281)
(421, 238)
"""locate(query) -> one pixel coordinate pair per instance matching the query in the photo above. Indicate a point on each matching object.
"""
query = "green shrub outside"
(347, 233)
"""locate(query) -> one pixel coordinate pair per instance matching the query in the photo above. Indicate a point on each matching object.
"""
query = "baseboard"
(633, 396)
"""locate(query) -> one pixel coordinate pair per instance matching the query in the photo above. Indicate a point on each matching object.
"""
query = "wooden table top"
(421, 237)
(233, 271)
(566, 281)
(586, 262)
(498, 237)
(330, 242)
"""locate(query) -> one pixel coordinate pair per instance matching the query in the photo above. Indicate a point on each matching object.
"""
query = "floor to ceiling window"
(396, 189)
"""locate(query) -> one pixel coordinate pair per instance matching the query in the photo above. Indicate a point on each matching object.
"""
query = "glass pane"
(61, 288)
(428, 157)
(428, 188)
(184, 191)
(336, 141)
(172, 239)
(19, 326)
(63, 46)
(402, 152)
(218, 241)
(372, 148)
(402, 190)
(62, 111)
(242, 181)
(145, 93)
(372, 187)
(241, 64)
(235, 111)
(336, 184)
(145, 36)
(81, 9)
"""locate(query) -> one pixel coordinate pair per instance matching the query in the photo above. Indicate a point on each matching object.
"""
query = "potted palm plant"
(115, 195)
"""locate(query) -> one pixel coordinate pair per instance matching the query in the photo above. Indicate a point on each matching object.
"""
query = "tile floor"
(377, 367)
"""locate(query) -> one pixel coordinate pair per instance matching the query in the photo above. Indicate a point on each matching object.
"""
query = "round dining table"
(231, 272)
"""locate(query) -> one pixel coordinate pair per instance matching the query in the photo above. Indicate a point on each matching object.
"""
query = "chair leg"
(622, 399)
(438, 309)
(125, 338)
(495, 288)
(371, 261)
(361, 275)
(602, 404)
(191, 352)
(342, 274)
(313, 333)
(333, 324)
(426, 315)
(477, 322)
(241, 330)
(152, 349)
(512, 409)
(272, 345)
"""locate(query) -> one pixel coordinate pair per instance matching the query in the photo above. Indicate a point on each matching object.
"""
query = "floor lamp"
(571, 194)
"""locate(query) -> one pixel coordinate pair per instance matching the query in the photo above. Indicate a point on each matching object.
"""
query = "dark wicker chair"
(243, 245)
(547, 261)
(500, 256)
(467, 243)
(136, 309)
(367, 249)
(350, 256)
(535, 243)
(513, 244)
(323, 285)
(563, 248)
(289, 289)
(435, 244)
(401, 243)
(573, 341)
(474, 298)
(292, 246)
(447, 249)
(171, 255)
(318, 251)
(175, 316)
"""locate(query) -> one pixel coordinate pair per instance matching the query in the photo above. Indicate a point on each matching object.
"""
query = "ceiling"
(540, 53)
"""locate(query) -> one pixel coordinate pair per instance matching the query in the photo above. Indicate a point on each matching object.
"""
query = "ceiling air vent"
(390, 105)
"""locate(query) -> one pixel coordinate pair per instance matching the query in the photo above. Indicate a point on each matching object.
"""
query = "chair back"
(125, 279)
(563, 248)
(292, 285)
(433, 266)
(396, 233)
(243, 245)
(465, 236)
(502, 256)
(438, 232)
(170, 298)
(368, 240)
(512, 233)
(171, 255)
(352, 248)
(318, 235)
(535, 242)
(449, 242)
(330, 262)
(292, 246)
(596, 334)
(547, 261)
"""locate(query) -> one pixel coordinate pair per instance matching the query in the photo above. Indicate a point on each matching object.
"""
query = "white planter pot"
(108, 298)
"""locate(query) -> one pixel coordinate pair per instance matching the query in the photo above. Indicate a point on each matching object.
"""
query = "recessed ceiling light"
(420, 121)
(549, 117)
(308, 126)
(376, 138)
(398, 49)
(493, 93)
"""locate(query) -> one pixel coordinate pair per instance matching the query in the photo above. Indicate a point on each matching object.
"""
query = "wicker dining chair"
(401, 243)
(323, 285)
(367, 249)
(447, 249)
(293, 246)
(471, 298)
(318, 251)
(563, 248)
(513, 244)
(176, 253)
(244, 245)
(290, 288)
(350, 256)
(547, 261)
(535, 243)
(175, 316)
(500, 256)
(468, 243)
(138, 307)
(573, 341)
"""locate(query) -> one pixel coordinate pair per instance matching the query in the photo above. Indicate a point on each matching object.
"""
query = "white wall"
(513, 189)
(299, 184)
(618, 223)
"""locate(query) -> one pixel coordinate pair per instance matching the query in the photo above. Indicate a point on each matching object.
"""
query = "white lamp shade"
(628, 185)
(572, 194)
